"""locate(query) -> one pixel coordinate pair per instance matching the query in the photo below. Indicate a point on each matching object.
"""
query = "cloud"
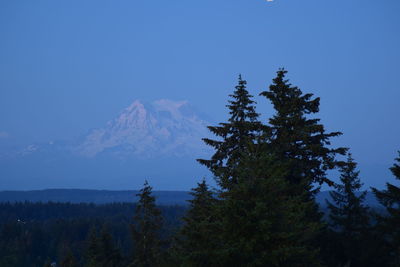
(4, 134)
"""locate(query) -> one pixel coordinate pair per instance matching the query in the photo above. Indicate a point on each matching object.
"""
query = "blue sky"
(68, 66)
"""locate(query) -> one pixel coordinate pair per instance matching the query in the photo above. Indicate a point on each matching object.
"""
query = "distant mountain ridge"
(111, 196)
(92, 196)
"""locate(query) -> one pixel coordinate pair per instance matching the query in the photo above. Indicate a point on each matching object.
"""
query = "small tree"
(390, 199)
(349, 216)
(92, 249)
(146, 230)
(101, 251)
(196, 244)
(112, 255)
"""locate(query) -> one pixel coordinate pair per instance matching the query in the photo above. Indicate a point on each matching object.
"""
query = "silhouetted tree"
(197, 243)
(92, 251)
(261, 224)
(390, 199)
(297, 139)
(349, 216)
(301, 142)
(261, 219)
(242, 128)
(146, 230)
(112, 255)
(101, 251)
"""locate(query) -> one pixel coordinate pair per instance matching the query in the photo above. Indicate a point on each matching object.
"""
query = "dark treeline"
(262, 213)
(34, 233)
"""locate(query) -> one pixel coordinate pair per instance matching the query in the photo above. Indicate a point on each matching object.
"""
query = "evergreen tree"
(298, 139)
(349, 217)
(301, 143)
(261, 224)
(197, 243)
(264, 208)
(92, 250)
(146, 230)
(101, 251)
(111, 254)
(348, 214)
(390, 199)
(242, 127)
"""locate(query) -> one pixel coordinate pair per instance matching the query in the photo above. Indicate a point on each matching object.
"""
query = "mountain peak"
(169, 104)
(164, 127)
(135, 105)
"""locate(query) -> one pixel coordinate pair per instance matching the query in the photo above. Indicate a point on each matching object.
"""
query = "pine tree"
(263, 212)
(197, 243)
(111, 255)
(146, 230)
(92, 250)
(101, 251)
(297, 138)
(262, 225)
(299, 141)
(390, 199)
(349, 217)
(348, 214)
(242, 128)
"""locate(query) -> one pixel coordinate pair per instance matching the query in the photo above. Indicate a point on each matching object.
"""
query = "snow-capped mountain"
(159, 141)
(162, 128)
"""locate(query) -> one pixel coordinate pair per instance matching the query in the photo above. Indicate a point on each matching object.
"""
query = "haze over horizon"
(68, 67)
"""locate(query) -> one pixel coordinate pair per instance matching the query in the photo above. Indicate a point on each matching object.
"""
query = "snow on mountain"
(162, 128)
(159, 142)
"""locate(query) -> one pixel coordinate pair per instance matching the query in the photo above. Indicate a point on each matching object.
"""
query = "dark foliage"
(146, 230)
(297, 138)
(196, 243)
(264, 212)
(32, 234)
(390, 224)
(101, 250)
(349, 217)
(242, 127)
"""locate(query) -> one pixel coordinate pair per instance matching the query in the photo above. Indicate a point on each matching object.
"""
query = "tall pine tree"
(263, 212)
(296, 137)
(242, 128)
(349, 216)
(146, 230)
(299, 141)
(390, 199)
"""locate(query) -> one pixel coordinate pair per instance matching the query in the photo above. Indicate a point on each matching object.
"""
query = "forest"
(263, 211)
